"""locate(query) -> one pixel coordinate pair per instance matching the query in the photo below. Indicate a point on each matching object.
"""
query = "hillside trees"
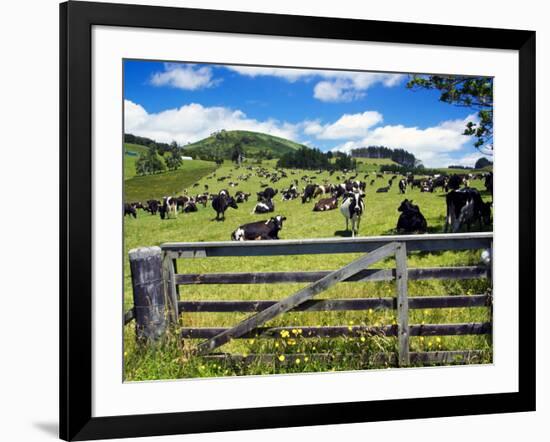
(400, 156)
(173, 157)
(149, 163)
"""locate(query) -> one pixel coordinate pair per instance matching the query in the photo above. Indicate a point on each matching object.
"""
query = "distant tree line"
(400, 156)
(306, 158)
(459, 166)
(403, 170)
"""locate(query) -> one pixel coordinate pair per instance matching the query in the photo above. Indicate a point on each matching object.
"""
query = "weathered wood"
(431, 243)
(367, 275)
(297, 298)
(175, 267)
(432, 357)
(423, 302)
(471, 328)
(401, 282)
(148, 290)
(170, 288)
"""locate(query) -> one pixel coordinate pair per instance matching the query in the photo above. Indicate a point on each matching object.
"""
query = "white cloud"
(186, 77)
(433, 145)
(347, 126)
(336, 86)
(194, 122)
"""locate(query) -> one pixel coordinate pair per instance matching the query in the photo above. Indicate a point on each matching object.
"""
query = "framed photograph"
(272, 221)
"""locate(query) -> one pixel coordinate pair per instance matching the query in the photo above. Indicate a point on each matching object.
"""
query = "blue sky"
(331, 110)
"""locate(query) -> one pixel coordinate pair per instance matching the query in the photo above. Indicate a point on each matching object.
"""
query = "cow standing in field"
(221, 202)
(308, 193)
(169, 208)
(153, 206)
(259, 230)
(352, 208)
(130, 210)
(489, 182)
(411, 219)
(465, 206)
(325, 204)
(402, 185)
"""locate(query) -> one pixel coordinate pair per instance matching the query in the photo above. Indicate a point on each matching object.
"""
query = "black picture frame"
(76, 21)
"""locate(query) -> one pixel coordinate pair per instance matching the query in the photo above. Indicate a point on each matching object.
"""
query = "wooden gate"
(375, 249)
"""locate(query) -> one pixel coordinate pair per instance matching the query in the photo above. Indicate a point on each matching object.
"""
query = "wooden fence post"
(401, 278)
(149, 296)
(170, 287)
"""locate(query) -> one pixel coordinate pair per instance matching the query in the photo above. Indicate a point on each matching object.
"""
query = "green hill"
(253, 144)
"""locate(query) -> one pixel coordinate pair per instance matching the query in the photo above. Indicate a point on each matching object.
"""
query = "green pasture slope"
(372, 164)
(169, 360)
(251, 143)
(142, 188)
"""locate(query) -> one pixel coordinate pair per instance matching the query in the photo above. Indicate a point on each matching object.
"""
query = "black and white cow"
(402, 185)
(353, 208)
(241, 197)
(489, 182)
(325, 204)
(189, 207)
(465, 206)
(221, 202)
(153, 206)
(259, 230)
(308, 193)
(411, 219)
(169, 208)
(383, 189)
(130, 210)
(440, 181)
(290, 194)
(267, 193)
(264, 206)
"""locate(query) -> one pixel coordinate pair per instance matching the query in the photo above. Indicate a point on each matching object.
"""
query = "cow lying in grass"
(326, 204)
(411, 219)
(259, 230)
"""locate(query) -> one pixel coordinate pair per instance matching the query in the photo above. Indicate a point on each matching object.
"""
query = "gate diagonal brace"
(297, 298)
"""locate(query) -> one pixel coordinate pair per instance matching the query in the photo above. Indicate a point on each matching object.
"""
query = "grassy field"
(169, 360)
(142, 188)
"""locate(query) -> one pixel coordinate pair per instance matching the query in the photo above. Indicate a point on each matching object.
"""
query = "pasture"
(170, 359)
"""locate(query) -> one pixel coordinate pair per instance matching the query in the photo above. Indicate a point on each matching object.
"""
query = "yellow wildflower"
(282, 358)
(438, 339)
(298, 361)
(306, 359)
(276, 344)
(370, 311)
(363, 339)
(251, 341)
(125, 353)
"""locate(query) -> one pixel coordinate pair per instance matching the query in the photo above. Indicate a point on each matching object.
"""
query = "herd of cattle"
(464, 203)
